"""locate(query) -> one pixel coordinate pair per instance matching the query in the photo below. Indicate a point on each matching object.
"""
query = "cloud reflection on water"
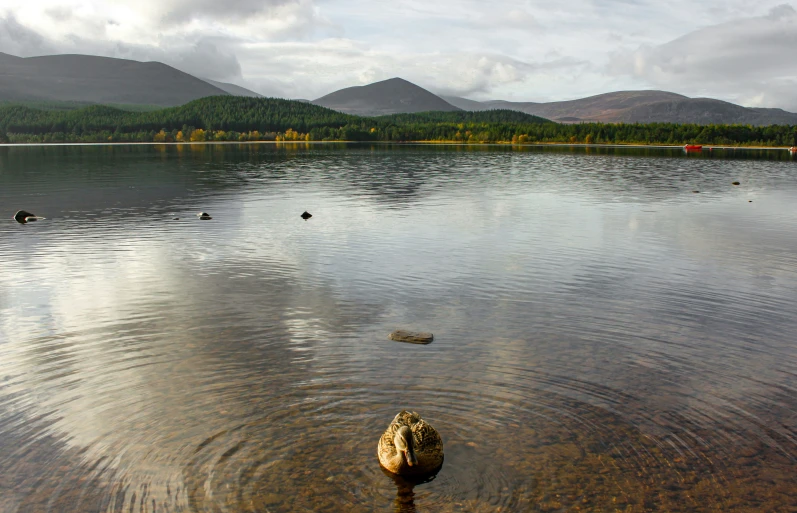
(137, 339)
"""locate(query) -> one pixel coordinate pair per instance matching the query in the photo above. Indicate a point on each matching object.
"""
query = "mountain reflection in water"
(604, 338)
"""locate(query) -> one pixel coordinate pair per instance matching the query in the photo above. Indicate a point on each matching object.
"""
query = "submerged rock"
(735, 183)
(413, 337)
(204, 216)
(306, 215)
(696, 192)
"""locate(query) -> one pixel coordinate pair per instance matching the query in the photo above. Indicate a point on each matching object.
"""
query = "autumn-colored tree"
(198, 135)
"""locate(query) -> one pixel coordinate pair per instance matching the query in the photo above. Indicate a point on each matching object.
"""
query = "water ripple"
(605, 339)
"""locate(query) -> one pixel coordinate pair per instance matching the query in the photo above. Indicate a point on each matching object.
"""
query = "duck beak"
(409, 455)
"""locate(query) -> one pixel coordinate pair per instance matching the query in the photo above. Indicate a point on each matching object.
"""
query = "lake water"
(606, 339)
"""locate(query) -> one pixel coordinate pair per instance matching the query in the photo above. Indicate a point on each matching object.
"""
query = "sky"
(743, 52)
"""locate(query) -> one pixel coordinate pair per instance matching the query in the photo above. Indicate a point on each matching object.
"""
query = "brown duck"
(410, 446)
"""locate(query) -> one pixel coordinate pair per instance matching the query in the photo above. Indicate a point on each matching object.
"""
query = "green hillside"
(231, 118)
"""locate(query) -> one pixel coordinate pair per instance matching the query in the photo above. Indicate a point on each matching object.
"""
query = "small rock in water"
(413, 337)
(176, 218)
(204, 216)
(749, 201)
(735, 183)
(696, 192)
(306, 215)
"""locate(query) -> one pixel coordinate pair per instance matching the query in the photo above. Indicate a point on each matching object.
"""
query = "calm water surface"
(605, 338)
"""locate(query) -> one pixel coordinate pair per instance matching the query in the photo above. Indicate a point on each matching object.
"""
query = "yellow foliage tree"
(198, 135)
(221, 135)
(160, 137)
(180, 137)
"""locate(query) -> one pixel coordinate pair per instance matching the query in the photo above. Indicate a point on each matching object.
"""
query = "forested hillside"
(229, 118)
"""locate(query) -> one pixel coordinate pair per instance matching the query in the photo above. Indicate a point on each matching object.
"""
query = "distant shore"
(386, 143)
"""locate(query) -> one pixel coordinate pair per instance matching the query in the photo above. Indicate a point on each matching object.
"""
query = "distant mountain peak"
(96, 79)
(392, 96)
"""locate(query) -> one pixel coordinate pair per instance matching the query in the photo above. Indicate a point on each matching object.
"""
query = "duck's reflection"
(405, 489)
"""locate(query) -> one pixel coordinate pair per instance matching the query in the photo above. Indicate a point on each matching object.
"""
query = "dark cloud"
(19, 40)
(186, 10)
(748, 59)
(205, 57)
(208, 60)
(60, 13)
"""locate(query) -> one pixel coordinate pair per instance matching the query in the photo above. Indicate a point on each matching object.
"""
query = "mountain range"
(94, 79)
(639, 107)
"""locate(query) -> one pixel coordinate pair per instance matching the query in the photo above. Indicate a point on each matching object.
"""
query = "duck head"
(405, 446)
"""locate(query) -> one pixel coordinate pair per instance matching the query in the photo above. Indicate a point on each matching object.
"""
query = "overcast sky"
(745, 52)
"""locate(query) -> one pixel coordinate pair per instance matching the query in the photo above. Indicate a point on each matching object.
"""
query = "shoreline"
(406, 143)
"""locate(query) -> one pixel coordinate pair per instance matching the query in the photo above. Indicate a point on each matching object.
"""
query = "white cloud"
(520, 50)
(17, 39)
(749, 60)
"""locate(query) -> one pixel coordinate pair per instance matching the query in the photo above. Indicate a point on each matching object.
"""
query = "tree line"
(230, 118)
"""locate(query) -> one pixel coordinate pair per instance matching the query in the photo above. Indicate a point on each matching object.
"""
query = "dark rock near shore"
(204, 216)
(412, 337)
(735, 183)
(306, 215)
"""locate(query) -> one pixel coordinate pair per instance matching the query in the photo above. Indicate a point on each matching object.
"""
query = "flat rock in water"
(413, 337)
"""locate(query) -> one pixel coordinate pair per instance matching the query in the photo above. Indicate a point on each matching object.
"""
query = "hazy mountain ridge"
(104, 80)
(640, 107)
(89, 78)
(706, 111)
(392, 96)
(233, 89)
